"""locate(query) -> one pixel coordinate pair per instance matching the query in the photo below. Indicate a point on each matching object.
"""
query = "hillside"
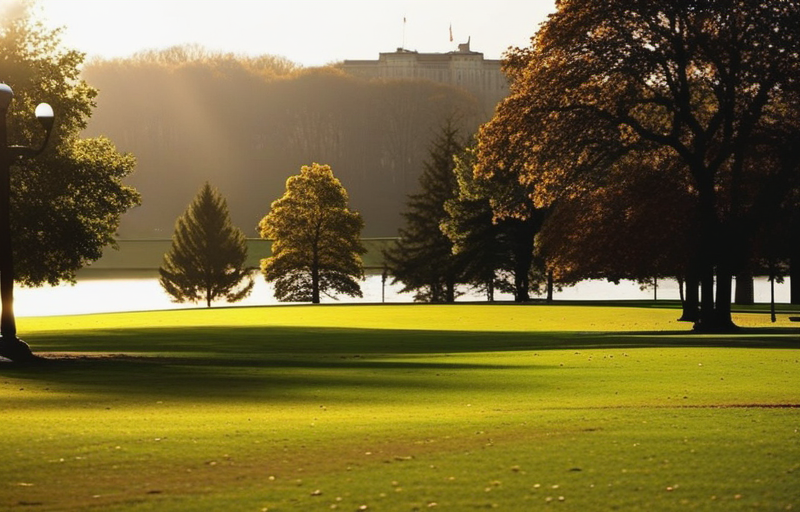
(245, 127)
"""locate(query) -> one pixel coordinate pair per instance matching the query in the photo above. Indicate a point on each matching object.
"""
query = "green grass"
(465, 407)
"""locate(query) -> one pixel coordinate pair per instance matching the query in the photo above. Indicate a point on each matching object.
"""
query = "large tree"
(422, 258)
(67, 202)
(208, 257)
(607, 79)
(316, 245)
(633, 227)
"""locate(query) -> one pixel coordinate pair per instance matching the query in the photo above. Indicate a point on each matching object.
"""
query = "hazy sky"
(308, 32)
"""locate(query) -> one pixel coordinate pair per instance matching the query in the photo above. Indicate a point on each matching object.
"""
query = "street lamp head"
(44, 113)
(5, 96)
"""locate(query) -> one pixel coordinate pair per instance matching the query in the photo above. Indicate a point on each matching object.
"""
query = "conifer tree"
(208, 254)
(423, 259)
(497, 251)
(316, 246)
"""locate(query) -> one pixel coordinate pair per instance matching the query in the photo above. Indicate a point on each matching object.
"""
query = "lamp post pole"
(12, 347)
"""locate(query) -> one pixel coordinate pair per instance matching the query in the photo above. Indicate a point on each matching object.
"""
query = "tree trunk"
(315, 284)
(549, 298)
(315, 267)
(450, 290)
(794, 278)
(710, 319)
(691, 303)
(745, 293)
(315, 289)
(773, 316)
(523, 258)
(722, 309)
(521, 286)
(706, 318)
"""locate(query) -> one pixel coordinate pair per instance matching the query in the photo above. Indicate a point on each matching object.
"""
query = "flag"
(451, 32)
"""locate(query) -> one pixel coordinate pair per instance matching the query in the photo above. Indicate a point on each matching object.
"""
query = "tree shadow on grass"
(265, 342)
(290, 363)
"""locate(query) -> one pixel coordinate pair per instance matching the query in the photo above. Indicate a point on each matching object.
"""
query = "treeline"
(246, 124)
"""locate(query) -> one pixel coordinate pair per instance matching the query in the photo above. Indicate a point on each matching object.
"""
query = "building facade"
(463, 68)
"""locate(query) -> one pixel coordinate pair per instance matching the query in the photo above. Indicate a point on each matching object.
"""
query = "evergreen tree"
(497, 251)
(208, 254)
(475, 236)
(316, 246)
(423, 259)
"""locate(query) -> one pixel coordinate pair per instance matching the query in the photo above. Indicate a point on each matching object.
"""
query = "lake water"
(104, 295)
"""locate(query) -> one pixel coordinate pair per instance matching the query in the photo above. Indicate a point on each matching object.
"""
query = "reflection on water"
(102, 295)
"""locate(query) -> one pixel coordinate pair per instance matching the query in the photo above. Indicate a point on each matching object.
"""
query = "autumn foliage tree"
(208, 257)
(633, 227)
(316, 246)
(609, 80)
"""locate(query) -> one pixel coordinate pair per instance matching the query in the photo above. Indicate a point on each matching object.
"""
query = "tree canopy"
(316, 245)
(607, 82)
(68, 201)
(208, 257)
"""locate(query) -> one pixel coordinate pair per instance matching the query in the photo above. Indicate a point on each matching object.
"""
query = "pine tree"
(316, 246)
(423, 259)
(207, 258)
(497, 252)
(475, 236)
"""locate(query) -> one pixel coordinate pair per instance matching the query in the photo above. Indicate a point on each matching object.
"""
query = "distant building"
(463, 68)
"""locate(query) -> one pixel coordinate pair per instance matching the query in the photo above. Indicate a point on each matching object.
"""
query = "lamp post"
(12, 347)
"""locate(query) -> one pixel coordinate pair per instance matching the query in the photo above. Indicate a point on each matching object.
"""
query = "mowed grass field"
(400, 408)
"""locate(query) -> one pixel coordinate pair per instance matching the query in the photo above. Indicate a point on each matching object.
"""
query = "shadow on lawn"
(285, 363)
(257, 343)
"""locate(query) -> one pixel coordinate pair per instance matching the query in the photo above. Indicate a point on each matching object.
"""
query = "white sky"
(308, 32)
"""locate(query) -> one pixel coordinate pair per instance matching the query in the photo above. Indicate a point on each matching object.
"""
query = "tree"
(475, 237)
(607, 79)
(316, 246)
(422, 258)
(497, 250)
(67, 202)
(633, 228)
(208, 255)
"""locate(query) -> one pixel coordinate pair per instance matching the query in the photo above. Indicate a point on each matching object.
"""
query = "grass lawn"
(401, 408)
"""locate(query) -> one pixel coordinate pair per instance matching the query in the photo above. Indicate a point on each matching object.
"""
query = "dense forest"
(247, 124)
